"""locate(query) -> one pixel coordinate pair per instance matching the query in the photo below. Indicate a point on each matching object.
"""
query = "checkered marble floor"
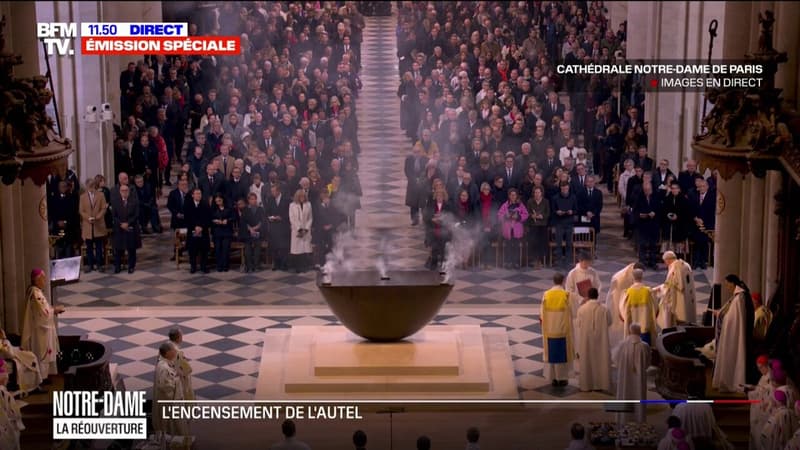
(224, 315)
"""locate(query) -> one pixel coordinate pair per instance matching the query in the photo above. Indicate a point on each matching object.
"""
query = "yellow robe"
(39, 334)
(557, 324)
(640, 307)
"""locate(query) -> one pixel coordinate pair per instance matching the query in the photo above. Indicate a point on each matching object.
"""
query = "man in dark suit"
(645, 217)
(299, 157)
(704, 205)
(211, 184)
(686, 177)
(578, 178)
(125, 212)
(198, 220)
(660, 175)
(277, 211)
(176, 201)
(414, 168)
(644, 161)
(552, 108)
(237, 187)
(590, 203)
(512, 176)
(550, 163)
(64, 221)
(326, 221)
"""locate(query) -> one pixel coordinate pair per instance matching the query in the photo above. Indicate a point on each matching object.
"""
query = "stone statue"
(765, 39)
(24, 123)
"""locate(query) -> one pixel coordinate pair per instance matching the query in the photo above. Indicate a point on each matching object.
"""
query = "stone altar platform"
(439, 362)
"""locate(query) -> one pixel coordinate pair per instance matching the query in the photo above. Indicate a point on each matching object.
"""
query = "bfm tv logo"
(99, 415)
(57, 37)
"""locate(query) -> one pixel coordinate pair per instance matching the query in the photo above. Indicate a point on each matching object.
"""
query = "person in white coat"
(10, 416)
(698, 421)
(780, 427)
(300, 219)
(39, 333)
(760, 394)
(633, 361)
(594, 351)
(676, 438)
(579, 280)
(734, 332)
(677, 295)
(620, 282)
(794, 442)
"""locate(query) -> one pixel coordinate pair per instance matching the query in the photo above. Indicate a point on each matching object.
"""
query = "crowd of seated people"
(480, 102)
(266, 143)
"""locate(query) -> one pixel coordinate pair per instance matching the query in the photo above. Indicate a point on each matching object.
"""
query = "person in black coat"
(676, 217)
(251, 227)
(644, 161)
(590, 203)
(646, 218)
(222, 219)
(212, 183)
(436, 229)
(176, 201)
(326, 221)
(148, 208)
(126, 238)
(64, 221)
(198, 220)
(564, 206)
(122, 158)
(280, 232)
(704, 205)
(237, 187)
(414, 169)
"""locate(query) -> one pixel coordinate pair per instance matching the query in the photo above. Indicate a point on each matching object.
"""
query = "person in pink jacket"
(512, 216)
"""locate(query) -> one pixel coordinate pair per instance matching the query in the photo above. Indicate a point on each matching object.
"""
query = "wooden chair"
(179, 244)
(501, 244)
(582, 239)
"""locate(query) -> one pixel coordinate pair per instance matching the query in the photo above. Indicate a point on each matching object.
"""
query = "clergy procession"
(600, 342)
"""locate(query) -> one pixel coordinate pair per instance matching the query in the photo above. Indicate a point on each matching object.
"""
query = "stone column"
(753, 239)
(11, 253)
(728, 229)
(770, 267)
(787, 38)
(23, 225)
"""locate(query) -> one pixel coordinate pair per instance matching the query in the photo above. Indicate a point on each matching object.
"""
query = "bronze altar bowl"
(384, 309)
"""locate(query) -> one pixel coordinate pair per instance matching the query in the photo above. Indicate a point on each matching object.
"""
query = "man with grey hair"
(633, 361)
(181, 363)
(677, 302)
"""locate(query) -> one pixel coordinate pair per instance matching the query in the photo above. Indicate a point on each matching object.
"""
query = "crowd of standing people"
(266, 144)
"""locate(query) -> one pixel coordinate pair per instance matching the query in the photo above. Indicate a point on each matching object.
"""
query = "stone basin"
(384, 310)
